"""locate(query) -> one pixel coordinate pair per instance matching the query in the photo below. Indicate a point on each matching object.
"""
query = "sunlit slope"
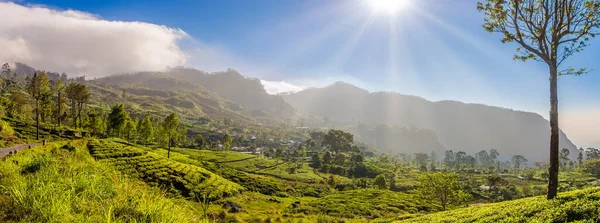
(366, 203)
(468, 127)
(575, 206)
(61, 182)
(189, 180)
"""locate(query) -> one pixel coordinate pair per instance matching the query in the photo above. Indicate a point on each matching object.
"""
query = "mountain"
(248, 92)
(457, 125)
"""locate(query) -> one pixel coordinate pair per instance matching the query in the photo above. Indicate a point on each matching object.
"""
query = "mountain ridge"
(458, 125)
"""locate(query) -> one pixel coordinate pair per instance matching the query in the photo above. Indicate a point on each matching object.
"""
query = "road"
(5, 151)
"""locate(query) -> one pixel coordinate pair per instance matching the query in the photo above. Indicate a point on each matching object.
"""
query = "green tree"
(420, 159)
(130, 129)
(97, 124)
(518, 161)
(483, 158)
(38, 89)
(200, 141)
(146, 130)
(315, 161)
(549, 31)
(16, 108)
(226, 141)
(117, 120)
(580, 156)
(78, 94)
(380, 182)
(564, 157)
(449, 159)
(441, 187)
(59, 101)
(339, 159)
(327, 158)
(338, 141)
(171, 131)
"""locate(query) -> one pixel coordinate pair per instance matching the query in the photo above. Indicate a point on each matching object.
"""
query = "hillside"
(248, 92)
(574, 206)
(458, 126)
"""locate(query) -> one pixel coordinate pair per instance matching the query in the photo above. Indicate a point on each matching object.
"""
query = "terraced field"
(264, 184)
(366, 203)
(574, 206)
(257, 165)
(189, 180)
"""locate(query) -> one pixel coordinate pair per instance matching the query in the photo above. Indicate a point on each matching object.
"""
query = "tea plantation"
(189, 180)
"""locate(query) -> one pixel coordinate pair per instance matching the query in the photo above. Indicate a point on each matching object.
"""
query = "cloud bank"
(80, 43)
(277, 87)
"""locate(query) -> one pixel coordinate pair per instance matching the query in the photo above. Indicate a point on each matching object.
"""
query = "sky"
(436, 49)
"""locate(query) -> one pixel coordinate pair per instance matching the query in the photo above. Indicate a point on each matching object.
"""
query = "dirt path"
(5, 151)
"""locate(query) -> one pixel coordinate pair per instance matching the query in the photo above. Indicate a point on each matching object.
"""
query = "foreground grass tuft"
(57, 183)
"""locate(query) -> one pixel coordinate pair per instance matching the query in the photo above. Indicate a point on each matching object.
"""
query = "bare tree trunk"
(79, 108)
(59, 108)
(37, 120)
(553, 170)
(73, 114)
(169, 146)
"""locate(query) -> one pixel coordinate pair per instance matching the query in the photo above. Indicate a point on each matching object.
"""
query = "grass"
(189, 180)
(264, 184)
(365, 203)
(574, 206)
(58, 183)
(256, 164)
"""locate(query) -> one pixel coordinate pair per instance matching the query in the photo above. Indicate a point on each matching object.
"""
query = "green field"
(574, 206)
(58, 183)
(256, 164)
(188, 179)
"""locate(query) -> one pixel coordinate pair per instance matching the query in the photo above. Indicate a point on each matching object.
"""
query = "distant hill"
(458, 126)
(248, 92)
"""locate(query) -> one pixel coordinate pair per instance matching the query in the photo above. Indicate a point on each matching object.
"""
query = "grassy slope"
(254, 182)
(189, 180)
(255, 164)
(50, 184)
(366, 203)
(574, 206)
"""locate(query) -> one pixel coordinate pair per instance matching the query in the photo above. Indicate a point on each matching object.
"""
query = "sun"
(389, 6)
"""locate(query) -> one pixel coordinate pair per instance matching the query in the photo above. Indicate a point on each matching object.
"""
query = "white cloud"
(277, 87)
(80, 43)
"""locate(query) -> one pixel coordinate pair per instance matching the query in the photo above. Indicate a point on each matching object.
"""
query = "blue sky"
(436, 49)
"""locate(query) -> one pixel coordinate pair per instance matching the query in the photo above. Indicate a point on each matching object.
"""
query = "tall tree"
(38, 89)
(483, 158)
(117, 119)
(420, 159)
(441, 187)
(338, 140)
(449, 159)
(549, 31)
(580, 156)
(79, 95)
(59, 101)
(564, 156)
(518, 161)
(146, 131)
(380, 181)
(97, 125)
(171, 131)
(130, 129)
(226, 141)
